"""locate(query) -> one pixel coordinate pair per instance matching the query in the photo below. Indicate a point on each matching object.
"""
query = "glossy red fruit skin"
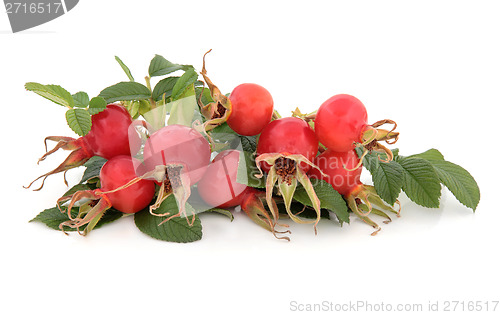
(344, 180)
(219, 186)
(288, 135)
(119, 171)
(178, 144)
(340, 122)
(109, 135)
(252, 109)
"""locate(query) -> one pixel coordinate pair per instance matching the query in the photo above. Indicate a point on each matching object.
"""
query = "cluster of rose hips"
(145, 166)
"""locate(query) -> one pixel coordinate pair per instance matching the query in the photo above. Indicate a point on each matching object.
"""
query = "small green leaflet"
(93, 168)
(175, 230)
(81, 99)
(420, 182)
(96, 105)
(79, 120)
(164, 86)
(183, 83)
(79, 106)
(224, 134)
(387, 177)
(330, 199)
(125, 91)
(388, 182)
(55, 93)
(52, 217)
(420, 176)
(248, 143)
(160, 66)
(458, 180)
(125, 68)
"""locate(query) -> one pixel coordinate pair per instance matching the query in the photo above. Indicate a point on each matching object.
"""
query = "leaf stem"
(148, 84)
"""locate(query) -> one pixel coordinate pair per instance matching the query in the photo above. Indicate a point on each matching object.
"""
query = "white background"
(433, 66)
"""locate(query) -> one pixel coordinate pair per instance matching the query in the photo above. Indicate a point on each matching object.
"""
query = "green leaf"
(96, 105)
(79, 121)
(248, 143)
(53, 217)
(125, 91)
(55, 93)
(93, 168)
(372, 159)
(225, 139)
(164, 86)
(388, 181)
(429, 155)
(387, 176)
(174, 230)
(247, 169)
(420, 182)
(184, 82)
(81, 99)
(329, 198)
(125, 68)
(160, 66)
(459, 182)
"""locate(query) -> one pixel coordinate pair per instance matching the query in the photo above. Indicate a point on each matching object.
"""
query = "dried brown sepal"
(254, 208)
(279, 173)
(364, 201)
(218, 111)
(89, 213)
(76, 158)
(372, 136)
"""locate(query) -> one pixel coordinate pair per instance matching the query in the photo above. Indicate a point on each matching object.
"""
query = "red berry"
(177, 144)
(340, 122)
(109, 135)
(340, 169)
(119, 171)
(289, 135)
(219, 187)
(252, 109)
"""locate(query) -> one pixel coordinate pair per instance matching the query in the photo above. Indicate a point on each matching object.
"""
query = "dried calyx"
(217, 111)
(174, 180)
(79, 155)
(370, 141)
(372, 136)
(253, 206)
(89, 213)
(286, 171)
(364, 201)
